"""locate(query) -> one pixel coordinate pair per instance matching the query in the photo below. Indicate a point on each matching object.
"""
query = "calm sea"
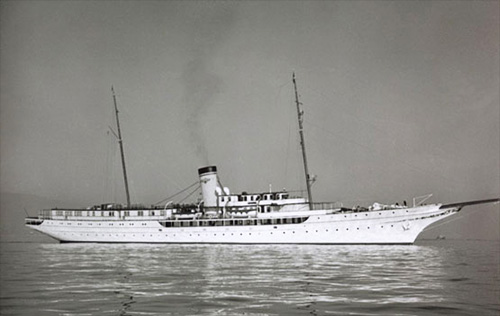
(430, 278)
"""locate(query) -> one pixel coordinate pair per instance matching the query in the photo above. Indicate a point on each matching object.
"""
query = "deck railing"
(65, 213)
(326, 206)
(45, 214)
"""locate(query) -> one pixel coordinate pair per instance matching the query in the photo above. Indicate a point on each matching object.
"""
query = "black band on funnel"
(207, 170)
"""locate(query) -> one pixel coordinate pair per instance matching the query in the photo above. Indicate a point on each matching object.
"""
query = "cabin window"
(140, 213)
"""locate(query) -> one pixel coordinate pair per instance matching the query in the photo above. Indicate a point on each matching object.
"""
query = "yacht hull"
(396, 226)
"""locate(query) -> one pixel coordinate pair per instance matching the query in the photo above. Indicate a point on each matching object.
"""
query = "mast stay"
(120, 141)
(300, 114)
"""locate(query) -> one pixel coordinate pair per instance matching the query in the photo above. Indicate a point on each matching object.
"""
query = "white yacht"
(245, 218)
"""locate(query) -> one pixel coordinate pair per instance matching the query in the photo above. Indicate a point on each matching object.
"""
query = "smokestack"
(208, 181)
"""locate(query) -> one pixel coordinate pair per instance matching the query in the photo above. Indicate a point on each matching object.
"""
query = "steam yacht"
(274, 217)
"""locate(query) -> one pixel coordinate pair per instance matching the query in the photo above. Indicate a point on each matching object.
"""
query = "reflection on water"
(458, 277)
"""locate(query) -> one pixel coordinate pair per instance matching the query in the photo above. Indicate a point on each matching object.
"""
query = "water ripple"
(432, 278)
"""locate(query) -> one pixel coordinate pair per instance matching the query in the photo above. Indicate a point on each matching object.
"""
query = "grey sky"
(401, 98)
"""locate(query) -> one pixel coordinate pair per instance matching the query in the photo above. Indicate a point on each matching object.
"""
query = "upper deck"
(183, 212)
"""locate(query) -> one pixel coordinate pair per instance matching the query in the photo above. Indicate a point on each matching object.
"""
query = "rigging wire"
(387, 133)
(145, 156)
(180, 192)
(376, 150)
(451, 220)
(197, 188)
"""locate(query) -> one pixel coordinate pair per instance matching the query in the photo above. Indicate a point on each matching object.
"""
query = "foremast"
(120, 141)
(300, 115)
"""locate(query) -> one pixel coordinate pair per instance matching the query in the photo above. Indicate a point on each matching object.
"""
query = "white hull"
(396, 226)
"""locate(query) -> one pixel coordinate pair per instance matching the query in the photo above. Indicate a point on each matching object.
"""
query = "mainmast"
(302, 144)
(120, 141)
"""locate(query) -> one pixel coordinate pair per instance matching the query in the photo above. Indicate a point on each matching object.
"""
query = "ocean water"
(434, 277)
